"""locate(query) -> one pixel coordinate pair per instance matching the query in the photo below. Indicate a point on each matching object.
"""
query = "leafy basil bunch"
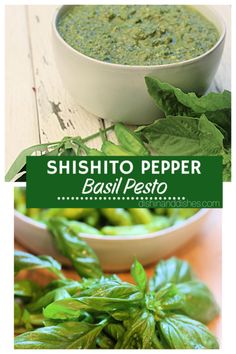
(192, 125)
(107, 313)
(66, 238)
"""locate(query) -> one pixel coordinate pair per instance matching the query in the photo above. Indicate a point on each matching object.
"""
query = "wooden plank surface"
(58, 115)
(203, 253)
(21, 129)
(38, 108)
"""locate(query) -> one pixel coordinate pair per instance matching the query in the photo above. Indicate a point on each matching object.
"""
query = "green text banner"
(130, 182)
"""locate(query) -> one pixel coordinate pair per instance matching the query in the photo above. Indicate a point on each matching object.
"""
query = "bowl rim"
(192, 219)
(141, 67)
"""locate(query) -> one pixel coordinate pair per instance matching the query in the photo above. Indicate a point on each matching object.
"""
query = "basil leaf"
(169, 98)
(68, 284)
(209, 132)
(115, 330)
(168, 298)
(183, 136)
(104, 342)
(199, 302)
(70, 245)
(173, 270)
(24, 320)
(26, 288)
(139, 333)
(23, 260)
(139, 275)
(48, 298)
(110, 287)
(227, 165)
(71, 308)
(108, 299)
(54, 291)
(17, 314)
(181, 332)
(173, 136)
(173, 101)
(89, 335)
(68, 335)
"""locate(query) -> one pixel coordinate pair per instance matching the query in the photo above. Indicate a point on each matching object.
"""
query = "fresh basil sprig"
(67, 335)
(69, 244)
(192, 125)
(139, 275)
(182, 332)
(26, 261)
(53, 293)
(173, 270)
(198, 301)
(26, 289)
(108, 313)
(174, 102)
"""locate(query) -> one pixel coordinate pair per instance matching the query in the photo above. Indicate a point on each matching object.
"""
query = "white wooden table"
(38, 108)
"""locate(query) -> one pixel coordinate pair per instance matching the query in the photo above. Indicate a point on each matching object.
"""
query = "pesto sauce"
(137, 34)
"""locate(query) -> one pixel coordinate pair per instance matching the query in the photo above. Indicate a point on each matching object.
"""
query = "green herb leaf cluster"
(69, 244)
(107, 313)
(192, 125)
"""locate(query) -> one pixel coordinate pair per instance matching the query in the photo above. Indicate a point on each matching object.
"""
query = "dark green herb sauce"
(137, 34)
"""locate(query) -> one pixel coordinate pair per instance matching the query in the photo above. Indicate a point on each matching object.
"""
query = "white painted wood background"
(38, 108)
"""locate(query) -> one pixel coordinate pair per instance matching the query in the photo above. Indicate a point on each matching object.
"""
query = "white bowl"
(118, 92)
(116, 253)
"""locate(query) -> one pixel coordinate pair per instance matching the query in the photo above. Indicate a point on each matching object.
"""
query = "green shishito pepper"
(70, 245)
(107, 221)
(130, 141)
(141, 215)
(111, 149)
(117, 216)
(130, 144)
(157, 224)
(89, 151)
(68, 213)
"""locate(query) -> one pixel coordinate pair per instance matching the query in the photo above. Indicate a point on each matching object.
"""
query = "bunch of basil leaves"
(169, 311)
(192, 125)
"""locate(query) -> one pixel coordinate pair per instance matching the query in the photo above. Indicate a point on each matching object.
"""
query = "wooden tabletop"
(38, 108)
(203, 253)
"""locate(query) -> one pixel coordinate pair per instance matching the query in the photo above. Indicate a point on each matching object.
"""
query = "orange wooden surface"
(203, 253)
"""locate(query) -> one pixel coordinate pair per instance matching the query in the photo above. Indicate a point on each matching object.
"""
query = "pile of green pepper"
(108, 221)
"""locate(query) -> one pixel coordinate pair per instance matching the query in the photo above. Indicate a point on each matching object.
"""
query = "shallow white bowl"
(116, 253)
(118, 92)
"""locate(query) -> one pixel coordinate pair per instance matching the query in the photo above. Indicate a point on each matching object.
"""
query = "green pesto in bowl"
(137, 34)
